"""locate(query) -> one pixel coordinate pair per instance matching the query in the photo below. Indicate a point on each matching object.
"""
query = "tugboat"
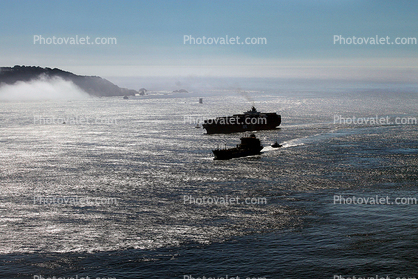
(251, 120)
(249, 146)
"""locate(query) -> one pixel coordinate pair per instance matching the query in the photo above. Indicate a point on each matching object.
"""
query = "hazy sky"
(150, 37)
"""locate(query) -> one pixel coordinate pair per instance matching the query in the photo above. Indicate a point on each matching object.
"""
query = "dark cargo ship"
(251, 120)
(249, 146)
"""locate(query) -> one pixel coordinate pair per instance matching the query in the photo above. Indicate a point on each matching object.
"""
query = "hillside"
(92, 85)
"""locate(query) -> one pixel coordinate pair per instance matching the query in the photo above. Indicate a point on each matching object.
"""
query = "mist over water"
(54, 88)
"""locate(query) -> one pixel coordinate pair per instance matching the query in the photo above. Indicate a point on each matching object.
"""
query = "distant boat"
(200, 100)
(197, 125)
(276, 145)
(125, 97)
(180, 91)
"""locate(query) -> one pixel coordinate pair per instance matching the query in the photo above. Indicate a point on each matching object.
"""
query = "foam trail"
(292, 143)
(313, 138)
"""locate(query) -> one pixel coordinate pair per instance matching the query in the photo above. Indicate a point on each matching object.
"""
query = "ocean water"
(141, 162)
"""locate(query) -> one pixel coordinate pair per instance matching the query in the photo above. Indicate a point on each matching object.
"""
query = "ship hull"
(227, 125)
(228, 154)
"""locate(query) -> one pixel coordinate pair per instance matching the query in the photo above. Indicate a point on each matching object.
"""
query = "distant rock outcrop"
(142, 91)
(92, 85)
(180, 91)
